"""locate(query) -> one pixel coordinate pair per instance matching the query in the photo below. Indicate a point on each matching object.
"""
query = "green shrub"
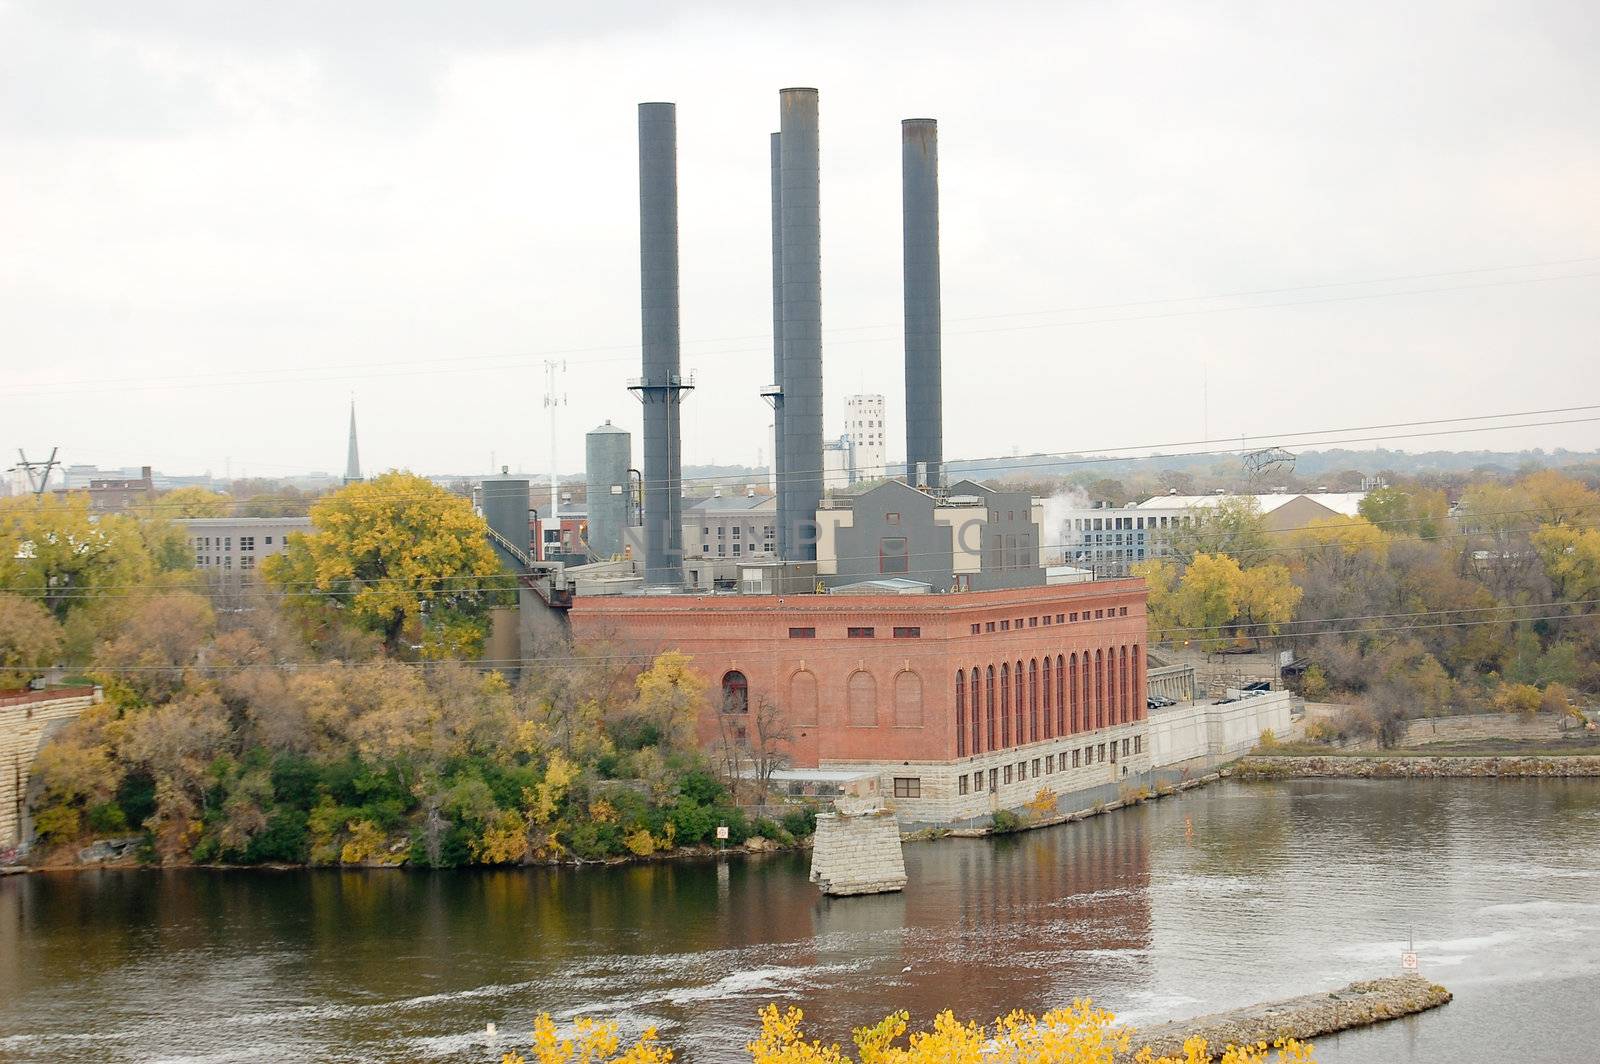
(1005, 822)
(56, 824)
(136, 796)
(594, 841)
(693, 822)
(107, 818)
(284, 839)
(701, 787)
(801, 823)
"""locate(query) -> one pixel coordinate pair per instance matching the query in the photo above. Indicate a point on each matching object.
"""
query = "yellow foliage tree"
(1042, 804)
(671, 694)
(193, 501)
(54, 551)
(1216, 596)
(391, 554)
(1079, 1034)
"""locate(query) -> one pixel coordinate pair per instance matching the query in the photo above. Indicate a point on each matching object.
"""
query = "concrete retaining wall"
(1203, 730)
(27, 719)
(1479, 726)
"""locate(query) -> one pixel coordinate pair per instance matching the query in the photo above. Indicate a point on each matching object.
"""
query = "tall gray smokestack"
(776, 392)
(662, 386)
(919, 189)
(800, 483)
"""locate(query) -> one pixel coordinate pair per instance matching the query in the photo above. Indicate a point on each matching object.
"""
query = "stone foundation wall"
(1479, 726)
(856, 849)
(26, 720)
(1415, 767)
(940, 802)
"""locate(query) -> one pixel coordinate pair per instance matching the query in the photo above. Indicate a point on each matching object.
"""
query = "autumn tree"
(193, 501)
(392, 555)
(161, 638)
(1234, 526)
(670, 695)
(30, 638)
(1217, 601)
(1412, 511)
(53, 551)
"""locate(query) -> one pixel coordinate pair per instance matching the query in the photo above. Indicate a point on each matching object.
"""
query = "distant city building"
(1109, 541)
(863, 423)
(232, 547)
(115, 495)
(1281, 510)
(838, 464)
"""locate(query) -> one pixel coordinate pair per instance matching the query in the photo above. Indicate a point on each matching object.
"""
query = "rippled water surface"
(1225, 896)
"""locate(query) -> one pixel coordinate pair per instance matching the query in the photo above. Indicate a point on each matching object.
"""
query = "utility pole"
(38, 473)
(552, 400)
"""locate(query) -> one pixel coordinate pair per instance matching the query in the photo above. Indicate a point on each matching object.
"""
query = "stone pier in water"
(856, 849)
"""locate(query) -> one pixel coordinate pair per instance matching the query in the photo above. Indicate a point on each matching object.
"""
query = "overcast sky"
(218, 220)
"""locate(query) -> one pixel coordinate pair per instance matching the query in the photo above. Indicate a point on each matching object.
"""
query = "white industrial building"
(863, 423)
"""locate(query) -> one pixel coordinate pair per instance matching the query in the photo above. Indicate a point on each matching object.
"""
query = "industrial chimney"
(775, 392)
(800, 472)
(919, 186)
(662, 386)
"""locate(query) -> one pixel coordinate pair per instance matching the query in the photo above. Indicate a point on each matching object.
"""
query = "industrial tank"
(608, 454)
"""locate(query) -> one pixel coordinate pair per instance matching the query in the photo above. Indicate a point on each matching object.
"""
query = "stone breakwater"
(1263, 767)
(1301, 1018)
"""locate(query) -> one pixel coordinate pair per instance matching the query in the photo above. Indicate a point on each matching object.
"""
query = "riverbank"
(1414, 765)
(1302, 1018)
(1132, 796)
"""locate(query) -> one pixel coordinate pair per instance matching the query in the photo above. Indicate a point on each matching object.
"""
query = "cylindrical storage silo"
(608, 454)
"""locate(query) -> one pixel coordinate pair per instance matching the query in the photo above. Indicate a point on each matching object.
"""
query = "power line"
(456, 364)
(1169, 449)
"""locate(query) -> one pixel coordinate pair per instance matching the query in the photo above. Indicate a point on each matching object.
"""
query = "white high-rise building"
(864, 425)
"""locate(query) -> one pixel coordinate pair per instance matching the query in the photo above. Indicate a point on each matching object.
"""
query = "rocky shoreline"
(1418, 766)
(1301, 1018)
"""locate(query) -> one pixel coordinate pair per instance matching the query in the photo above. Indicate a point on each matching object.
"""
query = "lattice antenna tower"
(38, 473)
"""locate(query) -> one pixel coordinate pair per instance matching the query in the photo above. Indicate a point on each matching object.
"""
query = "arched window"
(977, 713)
(1100, 718)
(1140, 706)
(863, 700)
(988, 706)
(803, 697)
(1033, 700)
(908, 700)
(1122, 682)
(1022, 710)
(1086, 694)
(1049, 717)
(735, 693)
(1062, 693)
(961, 713)
(1072, 693)
(1005, 705)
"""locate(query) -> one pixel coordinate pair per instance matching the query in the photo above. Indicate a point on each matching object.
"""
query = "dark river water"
(1224, 896)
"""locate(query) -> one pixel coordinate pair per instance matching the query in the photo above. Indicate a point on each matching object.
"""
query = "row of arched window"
(1013, 703)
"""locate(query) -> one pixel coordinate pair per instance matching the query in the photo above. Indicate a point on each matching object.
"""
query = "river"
(1221, 897)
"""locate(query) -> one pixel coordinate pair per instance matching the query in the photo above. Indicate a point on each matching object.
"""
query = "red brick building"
(964, 702)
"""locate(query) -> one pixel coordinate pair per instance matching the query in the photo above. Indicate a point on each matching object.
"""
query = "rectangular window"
(892, 555)
(269, 541)
(1125, 748)
(994, 779)
(963, 784)
(908, 787)
(227, 542)
(1102, 753)
(736, 531)
(1033, 622)
(861, 633)
(736, 549)
(1035, 768)
(1050, 765)
(1122, 611)
(908, 633)
(989, 627)
(1099, 613)
(1022, 771)
(1047, 619)
(1075, 759)
(1138, 743)
(1005, 626)
(247, 543)
(1113, 751)
(1008, 773)
(977, 781)
(976, 628)
(1061, 618)
(247, 562)
(1074, 618)
(1088, 755)
(893, 519)
(802, 633)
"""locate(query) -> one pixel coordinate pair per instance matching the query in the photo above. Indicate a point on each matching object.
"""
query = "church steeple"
(352, 465)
